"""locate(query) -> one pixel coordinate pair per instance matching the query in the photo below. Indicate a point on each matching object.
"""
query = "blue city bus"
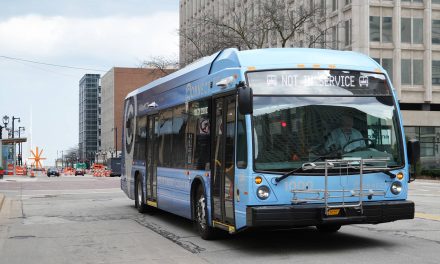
(270, 138)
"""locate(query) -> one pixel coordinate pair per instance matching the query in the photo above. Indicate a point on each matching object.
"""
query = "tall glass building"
(89, 116)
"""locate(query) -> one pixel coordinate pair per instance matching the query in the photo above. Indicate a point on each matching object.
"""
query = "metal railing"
(347, 168)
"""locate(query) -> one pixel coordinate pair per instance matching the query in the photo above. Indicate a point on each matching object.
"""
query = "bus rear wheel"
(201, 217)
(139, 201)
(328, 228)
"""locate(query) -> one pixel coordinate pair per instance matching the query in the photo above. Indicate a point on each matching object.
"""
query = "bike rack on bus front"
(324, 195)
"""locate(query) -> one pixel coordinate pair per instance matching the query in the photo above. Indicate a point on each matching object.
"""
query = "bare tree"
(246, 28)
(160, 65)
(257, 24)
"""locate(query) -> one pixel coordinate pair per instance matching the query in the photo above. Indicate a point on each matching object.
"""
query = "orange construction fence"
(20, 170)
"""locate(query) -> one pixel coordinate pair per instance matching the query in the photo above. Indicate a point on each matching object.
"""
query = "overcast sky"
(93, 34)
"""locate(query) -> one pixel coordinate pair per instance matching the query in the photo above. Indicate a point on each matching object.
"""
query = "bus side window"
(241, 142)
(179, 125)
(198, 151)
(165, 138)
(140, 138)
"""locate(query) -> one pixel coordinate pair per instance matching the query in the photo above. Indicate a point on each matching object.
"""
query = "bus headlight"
(263, 192)
(396, 187)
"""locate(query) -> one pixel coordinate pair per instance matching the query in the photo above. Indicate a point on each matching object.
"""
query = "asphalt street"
(90, 220)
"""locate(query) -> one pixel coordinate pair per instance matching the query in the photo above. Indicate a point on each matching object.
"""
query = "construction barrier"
(20, 170)
(101, 173)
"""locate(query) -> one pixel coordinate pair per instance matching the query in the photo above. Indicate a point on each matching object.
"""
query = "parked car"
(79, 172)
(53, 172)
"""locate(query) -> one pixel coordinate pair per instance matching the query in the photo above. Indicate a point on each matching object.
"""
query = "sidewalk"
(7, 178)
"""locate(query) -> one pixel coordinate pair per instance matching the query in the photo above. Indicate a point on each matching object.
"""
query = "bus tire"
(329, 228)
(139, 200)
(201, 217)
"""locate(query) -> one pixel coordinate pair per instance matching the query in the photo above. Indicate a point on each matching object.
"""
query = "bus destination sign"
(332, 82)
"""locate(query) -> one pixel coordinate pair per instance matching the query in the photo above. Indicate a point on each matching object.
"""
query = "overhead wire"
(51, 64)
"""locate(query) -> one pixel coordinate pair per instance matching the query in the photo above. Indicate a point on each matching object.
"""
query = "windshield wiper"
(287, 174)
(302, 168)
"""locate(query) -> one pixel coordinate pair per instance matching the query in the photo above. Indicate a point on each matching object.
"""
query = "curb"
(2, 198)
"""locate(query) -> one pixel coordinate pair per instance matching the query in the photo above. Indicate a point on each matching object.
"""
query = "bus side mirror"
(413, 149)
(245, 101)
(127, 124)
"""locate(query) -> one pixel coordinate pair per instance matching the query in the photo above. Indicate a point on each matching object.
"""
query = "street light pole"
(13, 122)
(20, 148)
(13, 136)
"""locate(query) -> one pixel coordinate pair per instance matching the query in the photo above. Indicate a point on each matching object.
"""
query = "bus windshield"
(290, 130)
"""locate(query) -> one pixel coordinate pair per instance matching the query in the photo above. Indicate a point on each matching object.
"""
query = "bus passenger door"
(223, 166)
(152, 148)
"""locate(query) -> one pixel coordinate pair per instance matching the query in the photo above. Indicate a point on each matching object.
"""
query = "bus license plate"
(333, 212)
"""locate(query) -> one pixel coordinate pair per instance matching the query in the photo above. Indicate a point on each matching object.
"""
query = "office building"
(89, 117)
(402, 35)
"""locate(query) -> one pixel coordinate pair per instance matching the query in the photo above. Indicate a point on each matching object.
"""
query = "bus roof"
(262, 59)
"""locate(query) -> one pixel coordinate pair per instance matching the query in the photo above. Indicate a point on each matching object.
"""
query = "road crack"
(188, 245)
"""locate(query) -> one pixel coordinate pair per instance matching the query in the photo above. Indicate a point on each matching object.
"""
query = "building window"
(435, 72)
(347, 2)
(418, 72)
(347, 28)
(335, 37)
(322, 9)
(406, 71)
(387, 29)
(334, 5)
(417, 30)
(436, 31)
(387, 64)
(374, 28)
(406, 30)
(436, 1)
(412, 72)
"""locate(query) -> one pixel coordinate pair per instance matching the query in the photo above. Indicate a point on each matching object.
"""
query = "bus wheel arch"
(199, 207)
(195, 186)
(139, 198)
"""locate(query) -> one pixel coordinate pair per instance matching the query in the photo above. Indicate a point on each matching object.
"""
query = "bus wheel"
(139, 201)
(328, 228)
(201, 216)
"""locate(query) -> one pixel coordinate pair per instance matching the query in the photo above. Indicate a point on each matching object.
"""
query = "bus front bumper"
(314, 214)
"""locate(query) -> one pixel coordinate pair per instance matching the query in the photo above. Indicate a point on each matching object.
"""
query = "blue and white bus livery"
(271, 137)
